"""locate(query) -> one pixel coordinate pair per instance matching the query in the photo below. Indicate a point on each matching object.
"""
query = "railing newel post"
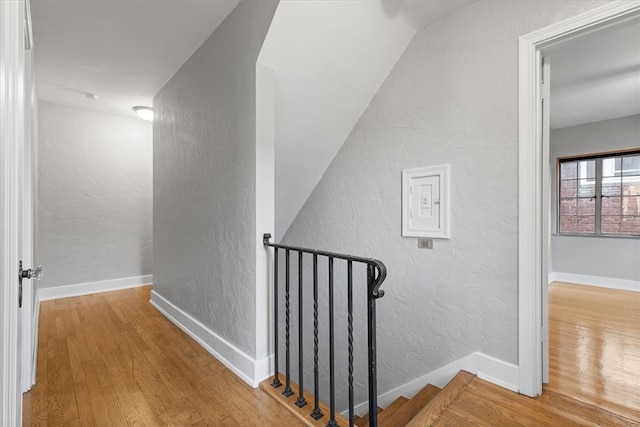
(371, 339)
(276, 378)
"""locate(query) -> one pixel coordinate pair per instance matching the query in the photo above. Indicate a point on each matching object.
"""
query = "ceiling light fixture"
(145, 113)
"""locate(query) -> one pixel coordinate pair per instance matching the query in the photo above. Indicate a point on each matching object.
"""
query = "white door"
(546, 214)
(12, 106)
(29, 301)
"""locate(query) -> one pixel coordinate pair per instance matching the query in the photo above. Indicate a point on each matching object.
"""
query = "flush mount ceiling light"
(145, 113)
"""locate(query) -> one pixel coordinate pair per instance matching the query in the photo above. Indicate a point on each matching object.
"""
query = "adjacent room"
(594, 263)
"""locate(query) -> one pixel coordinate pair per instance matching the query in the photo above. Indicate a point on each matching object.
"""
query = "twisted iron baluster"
(287, 389)
(300, 402)
(316, 414)
(350, 336)
(332, 383)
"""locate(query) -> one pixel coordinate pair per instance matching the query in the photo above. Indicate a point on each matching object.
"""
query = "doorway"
(534, 172)
(594, 230)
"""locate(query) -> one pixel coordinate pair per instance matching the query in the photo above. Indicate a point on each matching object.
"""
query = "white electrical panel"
(425, 202)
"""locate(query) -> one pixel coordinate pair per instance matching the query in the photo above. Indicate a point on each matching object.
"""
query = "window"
(600, 195)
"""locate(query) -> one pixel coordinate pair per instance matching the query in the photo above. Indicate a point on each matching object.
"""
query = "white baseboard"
(602, 282)
(248, 369)
(497, 371)
(66, 291)
(486, 367)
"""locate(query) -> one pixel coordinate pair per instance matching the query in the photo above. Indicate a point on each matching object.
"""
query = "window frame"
(598, 157)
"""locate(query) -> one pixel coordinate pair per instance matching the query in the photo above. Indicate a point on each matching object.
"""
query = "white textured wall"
(94, 195)
(610, 257)
(451, 98)
(204, 193)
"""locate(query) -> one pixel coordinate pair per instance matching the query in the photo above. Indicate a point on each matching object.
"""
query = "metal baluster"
(276, 379)
(316, 414)
(287, 389)
(350, 336)
(332, 383)
(301, 402)
(371, 325)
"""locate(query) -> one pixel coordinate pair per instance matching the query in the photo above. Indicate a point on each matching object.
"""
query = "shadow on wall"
(419, 13)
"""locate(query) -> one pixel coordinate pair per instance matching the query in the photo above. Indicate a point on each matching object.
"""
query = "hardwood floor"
(594, 346)
(481, 403)
(112, 359)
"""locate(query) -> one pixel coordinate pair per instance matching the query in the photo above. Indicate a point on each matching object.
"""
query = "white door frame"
(531, 247)
(12, 14)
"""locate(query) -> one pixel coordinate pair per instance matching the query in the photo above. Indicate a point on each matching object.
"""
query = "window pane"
(631, 225)
(568, 207)
(631, 165)
(631, 185)
(586, 225)
(567, 224)
(587, 169)
(631, 205)
(618, 198)
(586, 207)
(610, 225)
(611, 166)
(586, 188)
(568, 189)
(611, 187)
(568, 170)
(611, 205)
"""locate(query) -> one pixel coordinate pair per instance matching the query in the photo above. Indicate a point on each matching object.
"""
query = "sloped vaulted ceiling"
(330, 58)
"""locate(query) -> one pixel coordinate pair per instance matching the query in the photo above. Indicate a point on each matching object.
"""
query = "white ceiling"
(596, 77)
(330, 58)
(121, 51)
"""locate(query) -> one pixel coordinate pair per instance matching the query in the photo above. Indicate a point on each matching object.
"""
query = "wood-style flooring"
(471, 401)
(594, 346)
(111, 359)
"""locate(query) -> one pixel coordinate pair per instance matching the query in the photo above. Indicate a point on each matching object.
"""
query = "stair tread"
(304, 413)
(364, 420)
(392, 409)
(404, 414)
(430, 413)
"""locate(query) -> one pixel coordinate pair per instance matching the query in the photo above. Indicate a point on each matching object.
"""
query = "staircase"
(465, 400)
(470, 401)
(429, 403)
(425, 408)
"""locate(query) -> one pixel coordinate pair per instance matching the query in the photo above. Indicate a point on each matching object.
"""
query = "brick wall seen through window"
(600, 195)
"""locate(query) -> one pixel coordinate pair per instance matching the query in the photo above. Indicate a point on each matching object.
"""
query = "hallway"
(112, 359)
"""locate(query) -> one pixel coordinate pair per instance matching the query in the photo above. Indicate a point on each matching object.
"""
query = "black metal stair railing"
(376, 273)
